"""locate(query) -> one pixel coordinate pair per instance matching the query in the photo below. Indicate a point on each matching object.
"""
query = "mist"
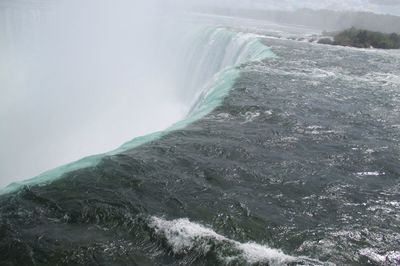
(376, 6)
(82, 77)
(322, 15)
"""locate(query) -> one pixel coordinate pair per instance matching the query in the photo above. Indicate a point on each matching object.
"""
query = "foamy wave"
(388, 258)
(183, 236)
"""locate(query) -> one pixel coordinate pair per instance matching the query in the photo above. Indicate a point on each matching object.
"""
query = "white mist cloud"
(377, 6)
(79, 78)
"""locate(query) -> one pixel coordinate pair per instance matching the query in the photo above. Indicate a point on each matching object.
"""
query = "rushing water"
(289, 156)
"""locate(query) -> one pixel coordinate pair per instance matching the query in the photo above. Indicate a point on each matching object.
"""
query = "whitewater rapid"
(184, 237)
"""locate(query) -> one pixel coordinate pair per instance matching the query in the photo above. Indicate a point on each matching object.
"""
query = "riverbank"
(362, 39)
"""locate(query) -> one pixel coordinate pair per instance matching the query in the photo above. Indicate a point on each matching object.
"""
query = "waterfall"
(207, 65)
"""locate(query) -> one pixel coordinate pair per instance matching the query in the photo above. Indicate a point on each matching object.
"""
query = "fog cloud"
(378, 6)
(81, 77)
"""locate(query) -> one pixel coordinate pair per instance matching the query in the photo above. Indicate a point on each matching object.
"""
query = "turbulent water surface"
(290, 156)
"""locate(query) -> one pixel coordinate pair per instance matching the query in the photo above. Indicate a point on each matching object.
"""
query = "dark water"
(302, 156)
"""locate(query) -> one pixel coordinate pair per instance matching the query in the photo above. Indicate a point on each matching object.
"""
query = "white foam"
(250, 116)
(389, 258)
(183, 236)
(255, 253)
(375, 173)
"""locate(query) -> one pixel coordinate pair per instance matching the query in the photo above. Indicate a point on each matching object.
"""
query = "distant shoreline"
(320, 19)
(360, 38)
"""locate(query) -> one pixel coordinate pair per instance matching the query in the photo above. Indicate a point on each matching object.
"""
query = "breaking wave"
(186, 237)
